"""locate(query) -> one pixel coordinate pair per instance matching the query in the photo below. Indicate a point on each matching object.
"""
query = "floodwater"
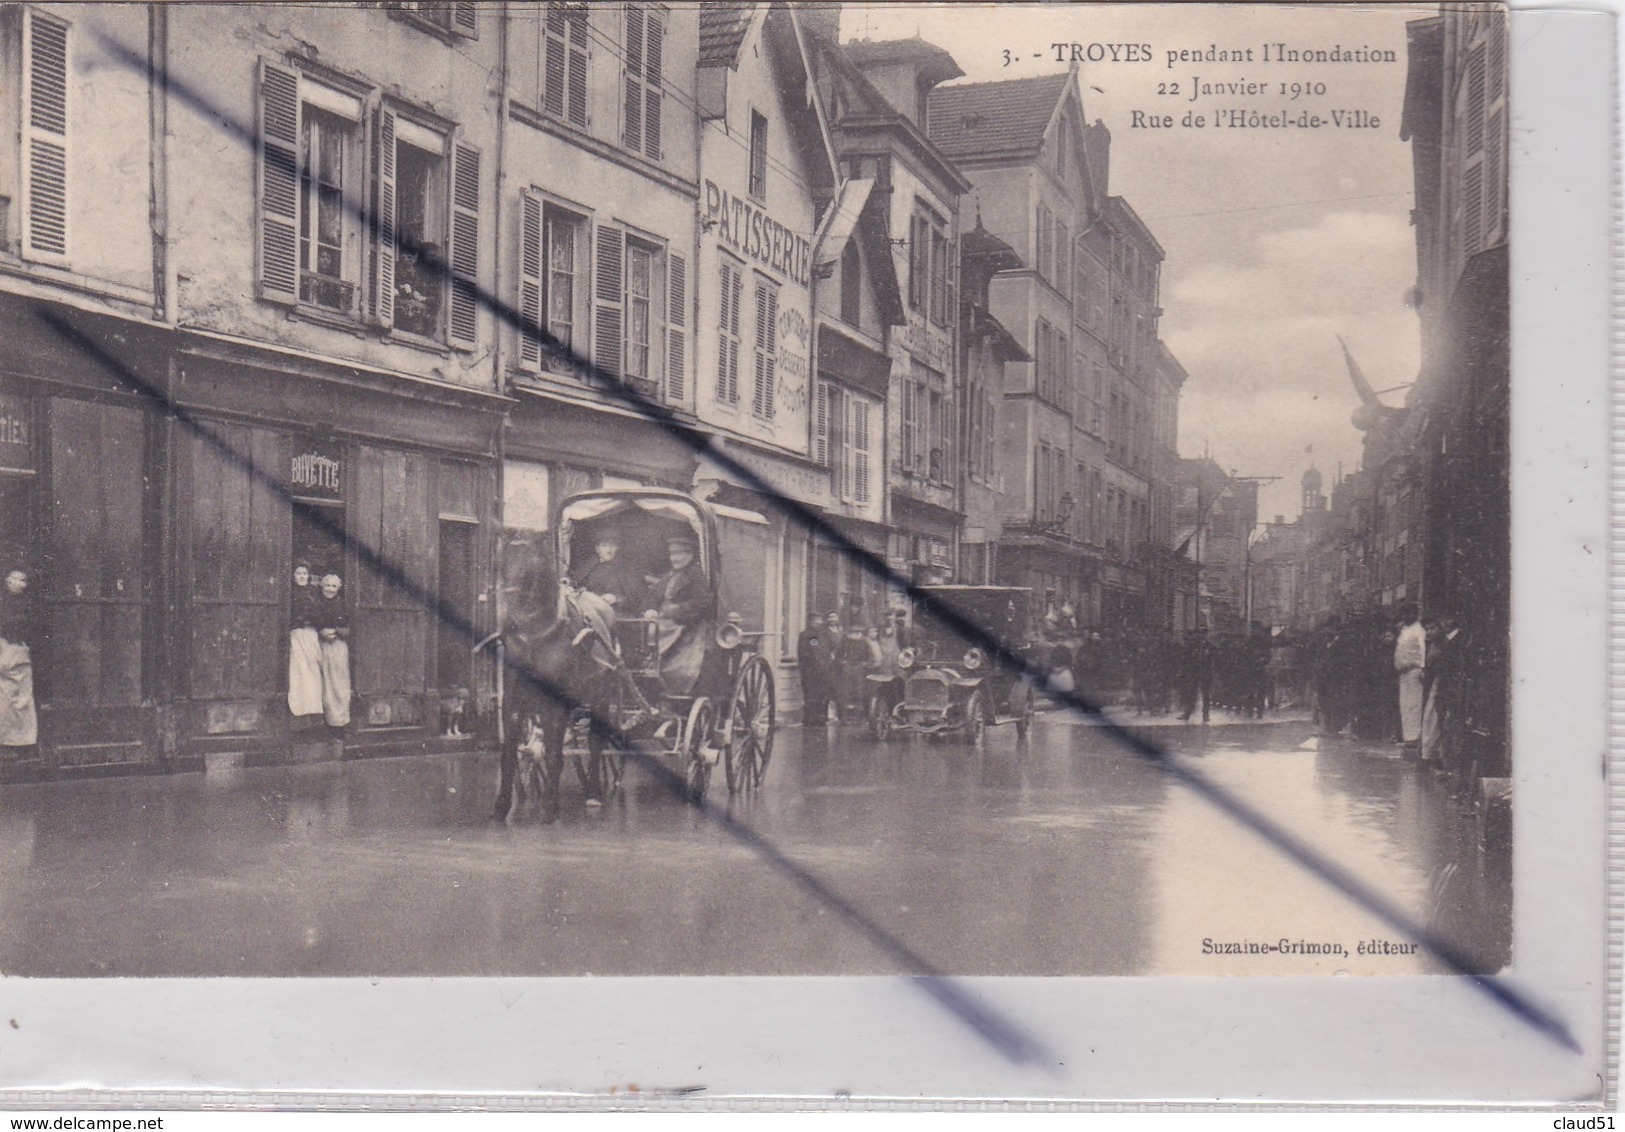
(1063, 856)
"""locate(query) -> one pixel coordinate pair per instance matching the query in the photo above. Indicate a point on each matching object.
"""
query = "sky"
(1277, 240)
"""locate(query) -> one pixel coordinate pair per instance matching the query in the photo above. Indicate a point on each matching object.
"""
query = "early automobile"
(945, 681)
(657, 644)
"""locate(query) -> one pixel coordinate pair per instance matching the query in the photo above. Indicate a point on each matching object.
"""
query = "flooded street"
(1065, 856)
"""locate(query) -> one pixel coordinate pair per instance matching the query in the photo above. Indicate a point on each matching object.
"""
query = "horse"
(557, 662)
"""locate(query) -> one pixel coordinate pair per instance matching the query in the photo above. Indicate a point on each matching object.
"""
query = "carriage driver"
(683, 604)
(610, 577)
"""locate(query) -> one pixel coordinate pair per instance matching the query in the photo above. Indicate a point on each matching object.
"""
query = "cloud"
(1258, 335)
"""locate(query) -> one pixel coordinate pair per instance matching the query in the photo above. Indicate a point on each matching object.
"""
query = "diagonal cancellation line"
(1498, 989)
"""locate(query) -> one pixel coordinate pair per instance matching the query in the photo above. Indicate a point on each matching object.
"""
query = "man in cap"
(683, 606)
(610, 577)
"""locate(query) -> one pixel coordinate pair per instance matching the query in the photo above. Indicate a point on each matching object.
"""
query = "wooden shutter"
(465, 20)
(45, 137)
(383, 252)
(676, 329)
(767, 316)
(280, 132)
(654, 48)
(820, 435)
(860, 450)
(578, 68)
(530, 283)
(555, 30)
(462, 327)
(608, 297)
(634, 78)
(728, 338)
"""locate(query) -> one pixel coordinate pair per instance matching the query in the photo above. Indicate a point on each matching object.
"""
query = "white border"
(1394, 1040)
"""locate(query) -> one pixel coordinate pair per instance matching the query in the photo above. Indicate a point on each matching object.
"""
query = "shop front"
(79, 452)
(385, 499)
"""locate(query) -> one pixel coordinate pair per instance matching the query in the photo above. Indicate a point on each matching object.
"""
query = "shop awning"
(848, 206)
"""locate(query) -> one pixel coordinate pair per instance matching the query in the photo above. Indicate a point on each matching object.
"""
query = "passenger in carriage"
(610, 577)
(682, 603)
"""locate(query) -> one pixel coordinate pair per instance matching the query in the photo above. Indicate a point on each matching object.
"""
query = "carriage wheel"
(750, 726)
(976, 712)
(697, 740)
(1024, 712)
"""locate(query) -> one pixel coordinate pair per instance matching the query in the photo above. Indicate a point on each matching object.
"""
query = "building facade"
(314, 385)
(1085, 426)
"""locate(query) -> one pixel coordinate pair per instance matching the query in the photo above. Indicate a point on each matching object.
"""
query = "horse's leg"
(554, 727)
(508, 773)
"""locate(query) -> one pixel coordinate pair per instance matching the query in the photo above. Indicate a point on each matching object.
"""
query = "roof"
(722, 30)
(935, 65)
(978, 120)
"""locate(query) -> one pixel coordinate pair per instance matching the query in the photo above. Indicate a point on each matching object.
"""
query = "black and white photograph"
(533, 490)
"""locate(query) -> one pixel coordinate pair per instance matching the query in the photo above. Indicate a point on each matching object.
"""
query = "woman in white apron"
(304, 647)
(333, 629)
(19, 723)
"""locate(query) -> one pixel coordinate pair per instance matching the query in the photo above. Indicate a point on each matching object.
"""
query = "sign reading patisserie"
(751, 232)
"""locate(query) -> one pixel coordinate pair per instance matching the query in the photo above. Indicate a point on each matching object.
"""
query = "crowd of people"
(1383, 676)
(835, 660)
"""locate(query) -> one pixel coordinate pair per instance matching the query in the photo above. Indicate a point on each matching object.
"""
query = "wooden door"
(234, 571)
(97, 608)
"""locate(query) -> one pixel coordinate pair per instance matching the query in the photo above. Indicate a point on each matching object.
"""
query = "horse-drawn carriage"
(635, 638)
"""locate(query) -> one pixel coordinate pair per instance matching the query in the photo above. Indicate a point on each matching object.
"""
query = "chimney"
(1097, 149)
(820, 19)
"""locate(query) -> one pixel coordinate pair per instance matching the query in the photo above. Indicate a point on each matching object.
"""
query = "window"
(645, 61)
(767, 347)
(733, 283)
(841, 441)
(418, 261)
(564, 66)
(939, 277)
(644, 303)
(635, 303)
(420, 186)
(758, 156)
(919, 261)
(449, 19)
(552, 296)
(328, 245)
(1045, 242)
(856, 451)
(44, 134)
(851, 285)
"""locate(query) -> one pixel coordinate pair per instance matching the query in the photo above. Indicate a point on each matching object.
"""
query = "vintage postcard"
(522, 492)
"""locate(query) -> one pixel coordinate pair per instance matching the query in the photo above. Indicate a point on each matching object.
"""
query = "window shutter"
(860, 450)
(767, 317)
(280, 134)
(677, 329)
(464, 254)
(465, 20)
(821, 424)
(1475, 101)
(45, 144)
(578, 67)
(728, 338)
(608, 293)
(654, 47)
(555, 63)
(634, 78)
(530, 282)
(383, 253)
